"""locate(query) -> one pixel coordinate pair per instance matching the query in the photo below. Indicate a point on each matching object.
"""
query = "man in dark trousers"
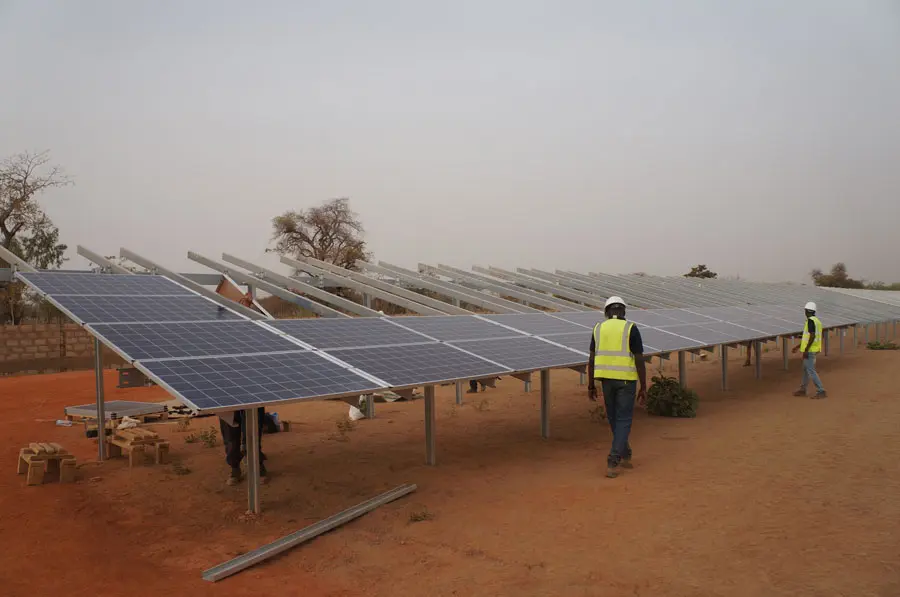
(617, 362)
(234, 437)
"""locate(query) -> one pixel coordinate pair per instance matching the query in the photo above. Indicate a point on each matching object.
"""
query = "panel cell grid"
(579, 341)
(86, 284)
(536, 323)
(142, 341)
(133, 309)
(348, 333)
(228, 383)
(525, 353)
(418, 364)
(451, 328)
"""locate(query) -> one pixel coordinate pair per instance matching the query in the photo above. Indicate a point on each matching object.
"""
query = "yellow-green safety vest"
(816, 345)
(612, 354)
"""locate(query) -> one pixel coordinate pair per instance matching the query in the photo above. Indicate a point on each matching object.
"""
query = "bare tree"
(25, 229)
(331, 232)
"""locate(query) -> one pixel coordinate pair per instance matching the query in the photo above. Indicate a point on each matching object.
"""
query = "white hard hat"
(614, 300)
(810, 306)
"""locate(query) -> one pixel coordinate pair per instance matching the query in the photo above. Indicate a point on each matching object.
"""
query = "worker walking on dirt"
(616, 361)
(234, 437)
(749, 352)
(810, 345)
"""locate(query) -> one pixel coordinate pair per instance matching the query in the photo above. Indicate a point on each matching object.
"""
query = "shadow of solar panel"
(151, 309)
(536, 323)
(450, 328)
(525, 353)
(228, 383)
(73, 283)
(348, 333)
(142, 341)
(418, 364)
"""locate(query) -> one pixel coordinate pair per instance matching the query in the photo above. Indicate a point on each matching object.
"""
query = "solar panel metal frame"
(534, 324)
(456, 328)
(322, 339)
(565, 356)
(138, 285)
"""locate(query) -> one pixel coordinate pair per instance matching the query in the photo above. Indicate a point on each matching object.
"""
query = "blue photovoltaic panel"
(706, 336)
(536, 323)
(449, 328)
(723, 313)
(578, 341)
(586, 318)
(651, 318)
(418, 364)
(348, 333)
(768, 325)
(665, 341)
(524, 353)
(736, 331)
(86, 284)
(133, 309)
(142, 341)
(681, 316)
(228, 383)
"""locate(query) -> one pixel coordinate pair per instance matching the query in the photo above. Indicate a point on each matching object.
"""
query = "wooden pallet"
(39, 458)
(148, 418)
(136, 442)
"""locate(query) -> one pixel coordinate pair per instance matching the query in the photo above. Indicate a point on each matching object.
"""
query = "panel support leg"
(866, 337)
(855, 339)
(841, 332)
(367, 301)
(582, 378)
(459, 392)
(430, 420)
(723, 352)
(251, 428)
(825, 341)
(370, 406)
(757, 352)
(101, 410)
(784, 352)
(545, 403)
(682, 370)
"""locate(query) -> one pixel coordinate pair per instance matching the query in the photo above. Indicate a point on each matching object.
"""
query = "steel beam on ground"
(545, 403)
(387, 287)
(15, 261)
(251, 429)
(430, 421)
(784, 352)
(526, 296)
(101, 407)
(723, 357)
(471, 297)
(543, 285)
(292, 283)
(368, 290)
(217, 298)
(682, 369)
(242, 278)
(106, 265)
(757, 353)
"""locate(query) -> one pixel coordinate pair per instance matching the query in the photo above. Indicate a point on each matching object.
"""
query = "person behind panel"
(810, 345)
(617, 363)
(234, 436)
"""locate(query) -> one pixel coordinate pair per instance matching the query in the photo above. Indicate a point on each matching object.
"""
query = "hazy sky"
(759, 137)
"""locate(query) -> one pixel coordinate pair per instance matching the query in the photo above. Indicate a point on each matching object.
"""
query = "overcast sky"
(759, 137)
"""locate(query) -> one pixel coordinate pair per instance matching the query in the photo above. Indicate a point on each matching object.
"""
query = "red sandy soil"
(763, 494)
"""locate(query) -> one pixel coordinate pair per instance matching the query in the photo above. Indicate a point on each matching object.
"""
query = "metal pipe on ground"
(265, 552)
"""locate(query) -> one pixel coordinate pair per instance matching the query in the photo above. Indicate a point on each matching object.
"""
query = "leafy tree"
(837, 278)
(331, 232)
(701, 271)
(25, 229)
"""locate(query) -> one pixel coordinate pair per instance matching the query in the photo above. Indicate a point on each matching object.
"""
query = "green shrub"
(882, 346)
(666, 398)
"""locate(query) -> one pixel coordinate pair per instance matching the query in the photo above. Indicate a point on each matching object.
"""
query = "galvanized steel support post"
(430, 420)
(251, 428)
(101, 410)
(757, 350)
(825, 341)
(682, 370)
(370, 406)
(459, 392)
(723, 357)
(545, 403)
(841, 332)
(784, 352)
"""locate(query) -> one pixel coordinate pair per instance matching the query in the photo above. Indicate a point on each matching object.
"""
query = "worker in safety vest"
(617, 363)
(810, 345)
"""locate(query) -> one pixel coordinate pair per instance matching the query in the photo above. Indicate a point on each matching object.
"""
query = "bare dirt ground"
(763, 494)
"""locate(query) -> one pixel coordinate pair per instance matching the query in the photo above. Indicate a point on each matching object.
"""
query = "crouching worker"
(234, 437)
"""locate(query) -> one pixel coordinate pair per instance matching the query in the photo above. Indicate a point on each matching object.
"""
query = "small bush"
(420, 516)
(209, 437)
(191, 438)
(666, 398)
(889, 345)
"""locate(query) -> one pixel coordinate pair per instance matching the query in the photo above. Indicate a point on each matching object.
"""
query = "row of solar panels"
(214, 359)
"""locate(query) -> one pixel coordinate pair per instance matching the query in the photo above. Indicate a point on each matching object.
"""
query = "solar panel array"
(215, 359)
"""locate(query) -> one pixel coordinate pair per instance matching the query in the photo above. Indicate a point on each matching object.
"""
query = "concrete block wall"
(48, 347)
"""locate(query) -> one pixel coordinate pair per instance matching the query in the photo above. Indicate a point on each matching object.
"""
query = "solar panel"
(449, 328)
(142, 341)
(651, 318)
(228, 383)
(578, 341)
(524, 353)
(681, 316)
(536, 323)
(133, 309)
(348, 333)
(723, 313)
(585, 318)
(768, 325)
(85, 284)
(665, 341)
(707, 336)
(418, 364)
(740, 332)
